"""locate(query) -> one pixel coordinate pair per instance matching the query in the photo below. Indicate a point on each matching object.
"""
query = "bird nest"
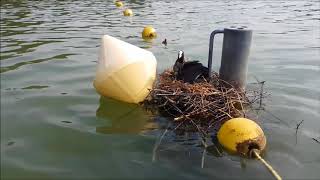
(202, 103)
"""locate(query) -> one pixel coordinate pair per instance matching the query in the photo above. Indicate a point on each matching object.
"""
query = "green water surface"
(55, 126)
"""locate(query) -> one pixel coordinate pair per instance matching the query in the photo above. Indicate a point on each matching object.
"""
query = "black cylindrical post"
(211, 50)
(234, 59)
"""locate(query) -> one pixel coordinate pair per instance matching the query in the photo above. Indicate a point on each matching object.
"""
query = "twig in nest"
(297, 128)
(261, 93)
(203, 157)
(298, 125)
(158, 144)
(316, 140)
(273, 115)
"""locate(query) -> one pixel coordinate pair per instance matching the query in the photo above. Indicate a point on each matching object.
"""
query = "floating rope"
(274, 172)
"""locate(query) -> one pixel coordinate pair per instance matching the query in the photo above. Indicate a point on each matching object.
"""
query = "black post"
(211, 50)
(235, 52)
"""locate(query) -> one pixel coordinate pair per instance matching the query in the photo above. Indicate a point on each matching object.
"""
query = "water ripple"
(17, 65)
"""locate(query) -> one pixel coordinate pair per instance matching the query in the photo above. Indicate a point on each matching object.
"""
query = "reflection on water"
(17, 65)
(24, 47)
(123, 118)
(36, 87)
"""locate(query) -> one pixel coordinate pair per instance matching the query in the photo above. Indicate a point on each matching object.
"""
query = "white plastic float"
(125, 72)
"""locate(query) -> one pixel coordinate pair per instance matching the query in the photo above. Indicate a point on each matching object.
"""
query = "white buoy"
(125, 72)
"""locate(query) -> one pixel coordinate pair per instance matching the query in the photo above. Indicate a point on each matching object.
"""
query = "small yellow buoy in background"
(149, 32)
(118, 3)
(127, 12)
(241, 135)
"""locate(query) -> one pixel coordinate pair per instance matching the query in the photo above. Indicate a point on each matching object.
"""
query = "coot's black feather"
(189, 71)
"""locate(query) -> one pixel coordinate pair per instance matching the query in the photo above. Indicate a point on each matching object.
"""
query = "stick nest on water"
(207, 103)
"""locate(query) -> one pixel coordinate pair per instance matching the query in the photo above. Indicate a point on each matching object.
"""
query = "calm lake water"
(55, 126)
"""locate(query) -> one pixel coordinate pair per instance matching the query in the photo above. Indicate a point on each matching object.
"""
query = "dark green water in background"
(54, 125)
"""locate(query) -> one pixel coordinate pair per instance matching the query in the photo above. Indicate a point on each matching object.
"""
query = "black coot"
(190, 71)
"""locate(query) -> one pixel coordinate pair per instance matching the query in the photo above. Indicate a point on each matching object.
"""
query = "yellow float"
(118, 3)
(245, 137)
(149, 33)
(125, 72)
(127, 12)
(241, 136)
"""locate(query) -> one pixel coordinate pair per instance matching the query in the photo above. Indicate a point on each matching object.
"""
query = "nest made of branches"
(205, 102)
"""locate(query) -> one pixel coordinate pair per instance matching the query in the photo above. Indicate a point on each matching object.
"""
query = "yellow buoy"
(241, 135)
(125, 72)
(245, 137)
(127, 12)
(118, 3)
(149, 32)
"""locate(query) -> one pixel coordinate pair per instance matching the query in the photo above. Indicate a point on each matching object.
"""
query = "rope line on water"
(270, 168)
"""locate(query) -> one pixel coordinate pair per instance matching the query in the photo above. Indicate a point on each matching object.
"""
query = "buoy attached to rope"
(149, 33)
(244, 137)
(241, 135)
(127, 12)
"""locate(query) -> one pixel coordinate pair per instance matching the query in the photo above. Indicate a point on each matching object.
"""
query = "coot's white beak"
(180, 54)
